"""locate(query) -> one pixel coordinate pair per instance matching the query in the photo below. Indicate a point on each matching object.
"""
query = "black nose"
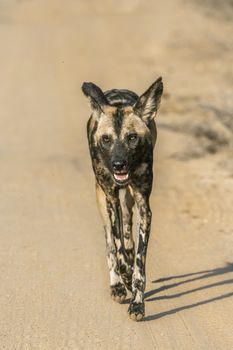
(119, 165)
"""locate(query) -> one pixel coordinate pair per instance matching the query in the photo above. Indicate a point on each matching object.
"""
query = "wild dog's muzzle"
(120, 170)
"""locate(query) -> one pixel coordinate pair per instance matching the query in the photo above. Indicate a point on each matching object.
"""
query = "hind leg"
(117, 288)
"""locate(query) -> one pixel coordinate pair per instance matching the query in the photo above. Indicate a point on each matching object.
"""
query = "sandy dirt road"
(53, 275)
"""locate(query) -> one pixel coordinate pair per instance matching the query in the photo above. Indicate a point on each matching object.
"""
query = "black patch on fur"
(117, 120)
(121, 97)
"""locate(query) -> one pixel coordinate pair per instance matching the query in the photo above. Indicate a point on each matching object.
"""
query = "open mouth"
(121, 177)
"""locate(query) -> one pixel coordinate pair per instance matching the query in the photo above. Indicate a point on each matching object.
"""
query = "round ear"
(148, 104)
(95, 96)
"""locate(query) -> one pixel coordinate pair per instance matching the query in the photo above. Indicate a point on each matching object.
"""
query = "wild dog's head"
(120, 127)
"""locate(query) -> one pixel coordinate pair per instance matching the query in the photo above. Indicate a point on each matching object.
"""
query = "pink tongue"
(121, 177)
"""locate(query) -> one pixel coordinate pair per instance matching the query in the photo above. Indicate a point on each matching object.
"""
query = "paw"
(118, 292)
(136, 311)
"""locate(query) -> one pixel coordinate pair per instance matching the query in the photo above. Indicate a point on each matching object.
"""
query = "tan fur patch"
(128, 110)
(101, 200)
(109, 110)
(133, 123)
(105, 127)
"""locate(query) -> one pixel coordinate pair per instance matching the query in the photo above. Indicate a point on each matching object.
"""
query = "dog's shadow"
(153, 295)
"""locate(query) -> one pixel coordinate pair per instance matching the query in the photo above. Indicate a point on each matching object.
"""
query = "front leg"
(117, 288)
(127, 203)
(137, 307)
(115, 215)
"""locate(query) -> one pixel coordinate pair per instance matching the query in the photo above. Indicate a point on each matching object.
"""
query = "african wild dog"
(121, 135)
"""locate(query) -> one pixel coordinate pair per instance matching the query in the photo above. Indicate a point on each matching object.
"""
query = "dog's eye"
(106, 139)
(132, 137)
